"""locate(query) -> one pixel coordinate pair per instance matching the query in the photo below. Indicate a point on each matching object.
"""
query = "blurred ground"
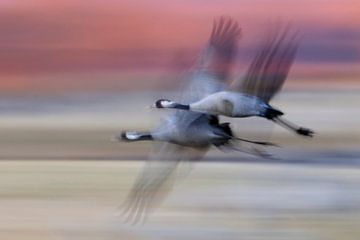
(79, 200)
(81, 126)
(61, 176)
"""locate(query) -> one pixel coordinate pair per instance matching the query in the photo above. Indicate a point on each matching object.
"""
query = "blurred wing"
(219, 54)
(154, 182)
(213, 67)
(271, 65)
(209, 76)
(211, 71)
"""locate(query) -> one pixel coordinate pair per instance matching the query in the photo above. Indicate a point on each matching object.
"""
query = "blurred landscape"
(83, 126)
(62, 176)
(74, 74)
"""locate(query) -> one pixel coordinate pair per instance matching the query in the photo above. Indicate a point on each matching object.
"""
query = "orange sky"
(43, 40)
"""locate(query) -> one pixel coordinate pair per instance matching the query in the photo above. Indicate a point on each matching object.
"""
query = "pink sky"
(45, 41)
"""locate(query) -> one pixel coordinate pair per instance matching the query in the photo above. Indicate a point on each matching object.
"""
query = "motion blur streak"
(66, 45)
(183, 133)
(73, 73)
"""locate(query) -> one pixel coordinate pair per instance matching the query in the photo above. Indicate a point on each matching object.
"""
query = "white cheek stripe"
(167, 103)
(132, 135)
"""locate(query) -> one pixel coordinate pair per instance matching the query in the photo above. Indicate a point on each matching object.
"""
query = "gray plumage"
(270, 67)
(251, 95)
(185, 135)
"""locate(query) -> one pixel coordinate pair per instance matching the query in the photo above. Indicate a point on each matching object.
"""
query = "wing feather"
(219, 53)
(270, 66)
(210, 73)
(155, 180)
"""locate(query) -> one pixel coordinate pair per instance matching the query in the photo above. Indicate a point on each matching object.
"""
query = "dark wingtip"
(224, 36)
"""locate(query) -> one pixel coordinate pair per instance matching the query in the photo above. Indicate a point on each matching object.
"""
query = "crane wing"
(213, 66)
(209, 76)
(155, 180)
(211, 72)
(271, 65)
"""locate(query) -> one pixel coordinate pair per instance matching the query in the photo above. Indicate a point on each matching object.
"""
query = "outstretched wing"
(155, 182)
(208, 77)
(212, 69)
(221, 49)
(270, 67)
(210, 73)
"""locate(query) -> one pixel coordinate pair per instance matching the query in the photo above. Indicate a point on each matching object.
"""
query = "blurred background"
(75, 73)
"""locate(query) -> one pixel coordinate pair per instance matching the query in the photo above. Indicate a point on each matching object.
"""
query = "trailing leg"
(299, 130)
